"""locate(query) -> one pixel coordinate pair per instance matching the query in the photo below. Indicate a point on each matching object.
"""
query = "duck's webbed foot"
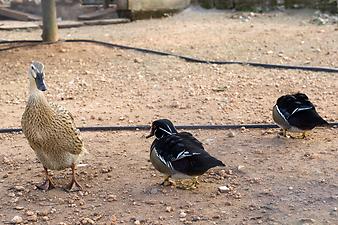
(74, 184)
(189, 184)
(47, 184)
(283, 133)
(302, 136)
(168, 182)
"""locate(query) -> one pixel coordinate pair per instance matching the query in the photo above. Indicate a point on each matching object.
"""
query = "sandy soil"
(272, 180)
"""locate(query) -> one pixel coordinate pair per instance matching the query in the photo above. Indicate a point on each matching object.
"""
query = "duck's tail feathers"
(319, 121)
(213, 162)
(322, 123)
(306, 119)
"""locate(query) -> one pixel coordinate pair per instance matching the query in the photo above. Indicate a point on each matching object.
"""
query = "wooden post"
(50, 28)
(106, 4)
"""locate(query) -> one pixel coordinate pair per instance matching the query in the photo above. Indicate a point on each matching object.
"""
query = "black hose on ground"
(29, 43)
(185, 127)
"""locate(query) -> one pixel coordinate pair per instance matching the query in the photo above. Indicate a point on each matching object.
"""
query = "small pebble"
(196, 218)
(169, 209)
(231, 134)
(113, 220)
(223, 189)
(307, 221)
(240, 168)
(19, 188)
(183, 214)
(227, 203)
(32, 218)
(17, 220)
(112, 198)
(87, 221)
(30, 213)
(43, 213)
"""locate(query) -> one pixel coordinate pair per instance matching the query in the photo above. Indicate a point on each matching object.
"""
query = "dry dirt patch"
(273, 180)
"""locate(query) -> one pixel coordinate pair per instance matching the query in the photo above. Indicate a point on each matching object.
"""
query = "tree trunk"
(50, 28)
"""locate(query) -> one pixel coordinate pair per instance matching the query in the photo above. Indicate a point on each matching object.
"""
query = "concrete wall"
(157, 5)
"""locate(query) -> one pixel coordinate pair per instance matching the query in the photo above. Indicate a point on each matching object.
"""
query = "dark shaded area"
(266, 5)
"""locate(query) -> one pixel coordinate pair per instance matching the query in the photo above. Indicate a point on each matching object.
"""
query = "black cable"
(185, 127)
(19, 46)
(187, 58)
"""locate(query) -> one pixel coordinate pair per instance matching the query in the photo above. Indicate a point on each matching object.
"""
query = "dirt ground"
(272, 180)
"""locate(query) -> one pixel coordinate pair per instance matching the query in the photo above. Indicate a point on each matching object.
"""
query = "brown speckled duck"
(50, 131)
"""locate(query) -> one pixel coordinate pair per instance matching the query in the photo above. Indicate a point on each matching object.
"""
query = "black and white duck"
(295, 113)
(178, 154)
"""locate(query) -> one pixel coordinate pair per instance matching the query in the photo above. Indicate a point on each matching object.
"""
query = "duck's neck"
(32, 87)
(35, 95)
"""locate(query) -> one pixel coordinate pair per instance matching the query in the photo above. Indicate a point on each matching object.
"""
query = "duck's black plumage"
(179, 152)
(299, 112)
(185, 154)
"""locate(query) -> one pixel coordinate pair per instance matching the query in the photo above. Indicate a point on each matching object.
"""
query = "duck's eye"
(32, 67)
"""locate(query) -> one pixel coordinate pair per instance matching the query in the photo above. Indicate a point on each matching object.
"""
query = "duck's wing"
(178, 146)
(62, 112)
(65, 125)
(300, 105)
(299, 111)
(306, 119)
(187, 155)
(289, 105)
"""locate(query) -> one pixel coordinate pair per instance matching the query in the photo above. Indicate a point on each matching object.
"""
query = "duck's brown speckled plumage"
(51, 132)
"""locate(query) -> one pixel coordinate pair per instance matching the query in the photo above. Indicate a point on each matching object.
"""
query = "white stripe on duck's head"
(161, 128)
(37, 74)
